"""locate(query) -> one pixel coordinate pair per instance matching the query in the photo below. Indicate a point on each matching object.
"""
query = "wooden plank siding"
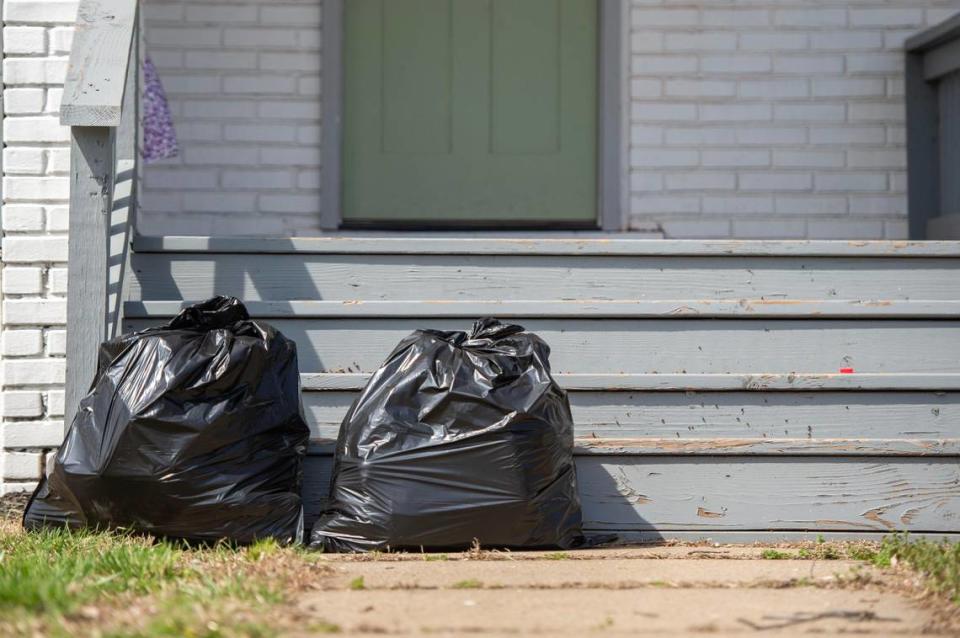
(705, 382)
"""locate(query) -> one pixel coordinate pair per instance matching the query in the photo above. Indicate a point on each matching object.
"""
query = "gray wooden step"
(705, 377)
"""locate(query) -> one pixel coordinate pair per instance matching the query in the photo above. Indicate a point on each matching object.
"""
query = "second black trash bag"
(456, 438)
(191, 430)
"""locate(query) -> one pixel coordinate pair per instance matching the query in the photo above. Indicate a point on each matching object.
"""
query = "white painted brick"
(220, 202)
(260, 133)
(24, 40)
(754, 63)
(23, 101)
(38, 434)
(310, 86)
(35, 188)
(58, 218)
(892, 17)
(22, 281)
(885, 62)
(218, 14)
(849, 87)
(22, 217)
(660, 64)
(736, 17)
(221, 155)
(896, 229)
(219, 109)
(58, 161)
(769, 229)
(20, 405)
(775, 181)
(741, 157)
(736, 112)
(56, 342)
(200, 84)
(851, 182)
(227, 59)
(847, 135)
(23, 160)
(659, 204)
(55, 403)
(701, 41)
(771, 136)
(645, 88)
(654, 17)
(701, 136)
(771, 89)
(846, 40)
(181, 36)
(54, 97)
(807, 205)
(305, 203)
(22, 465)
(22, 343)
(808, 159)
(695, 229)
(259, 179)
(877, 111)
(844, 229)
(880, 205)
(738, 205)
(646, 182)
(774, 41)
(646, 41)
(24, 312)
(156, 13)
(40, 11)
(877, 158)
(663, 111)
(813, 112)
(701, 181)
(808, 65)
(811, 17)
(181, 178)
(306, 62)
(34, 130)
(22, 249)
(57, 281)
(662, 158)
(295, 15)
(701, 88)
(645, 135)
(61, 40)
(291, 110)
(290, 156)
(260, 38)
(19, 372)
(34, 70)
(259, 84)
(310, 180)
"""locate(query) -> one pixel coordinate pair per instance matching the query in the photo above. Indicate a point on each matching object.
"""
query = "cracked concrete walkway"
(655, 591)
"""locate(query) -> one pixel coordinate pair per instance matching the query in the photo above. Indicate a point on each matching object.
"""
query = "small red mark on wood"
(846, 370)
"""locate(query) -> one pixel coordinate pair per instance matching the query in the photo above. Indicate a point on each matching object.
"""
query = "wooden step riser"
(254, 277)
(731, 423)
(666, 495)
(661, 346)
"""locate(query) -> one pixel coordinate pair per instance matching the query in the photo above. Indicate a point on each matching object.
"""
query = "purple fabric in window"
(159, 136)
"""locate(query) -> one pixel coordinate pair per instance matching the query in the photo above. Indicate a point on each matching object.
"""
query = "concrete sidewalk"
(654, 591)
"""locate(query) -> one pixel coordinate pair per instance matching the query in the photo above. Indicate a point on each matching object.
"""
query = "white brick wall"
(771, 118)
(243, 79)
(36, 37)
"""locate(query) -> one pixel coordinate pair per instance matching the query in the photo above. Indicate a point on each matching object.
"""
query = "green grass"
(357, 584)
(470, 583)
(557, 556)
(937, 562)
(773, 554)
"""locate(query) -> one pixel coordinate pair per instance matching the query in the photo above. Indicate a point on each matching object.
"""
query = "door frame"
(612, 60)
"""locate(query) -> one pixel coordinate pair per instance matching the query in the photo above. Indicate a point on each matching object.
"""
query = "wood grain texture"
(647, 346)
(786, 494)
(274, 277)
(573, 309)
(322, 381)
(91, 190)
(96, 77)
(772, 423)
(539, 244)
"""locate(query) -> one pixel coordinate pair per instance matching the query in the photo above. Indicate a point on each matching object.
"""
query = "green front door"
(479, 112)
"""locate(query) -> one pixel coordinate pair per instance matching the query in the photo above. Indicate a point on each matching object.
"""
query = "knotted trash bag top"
(191, 430)
(457, 438)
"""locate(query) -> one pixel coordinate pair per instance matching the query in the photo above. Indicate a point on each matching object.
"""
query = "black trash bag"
(191, 430)
(456, 438)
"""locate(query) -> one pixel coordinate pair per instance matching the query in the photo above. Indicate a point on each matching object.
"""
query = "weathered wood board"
(664, 494)
(479, 277)
(766, 423)
(688, 346)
